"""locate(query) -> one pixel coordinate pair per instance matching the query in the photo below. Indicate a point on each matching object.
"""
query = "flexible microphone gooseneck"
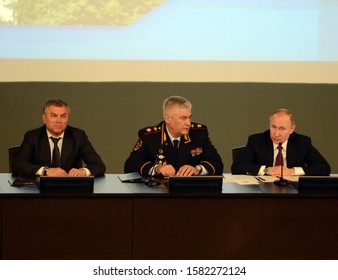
(281, 182)
(159, 159)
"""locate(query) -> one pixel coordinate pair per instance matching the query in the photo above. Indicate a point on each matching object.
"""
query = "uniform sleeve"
(139, 159)
(210, 159)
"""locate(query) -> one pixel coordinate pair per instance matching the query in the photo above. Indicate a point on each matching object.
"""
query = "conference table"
(133, 221)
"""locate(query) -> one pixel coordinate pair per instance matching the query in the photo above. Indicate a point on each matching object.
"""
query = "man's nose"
(277, 132)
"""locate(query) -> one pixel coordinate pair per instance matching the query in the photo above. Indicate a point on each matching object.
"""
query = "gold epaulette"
(151, 129)
(197, 126)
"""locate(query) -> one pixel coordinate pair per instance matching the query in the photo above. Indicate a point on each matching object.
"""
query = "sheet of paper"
(254, 180)
(240, 179)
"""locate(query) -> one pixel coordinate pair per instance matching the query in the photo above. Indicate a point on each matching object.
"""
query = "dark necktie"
(56, 160)
(279, 158)
(176, 142)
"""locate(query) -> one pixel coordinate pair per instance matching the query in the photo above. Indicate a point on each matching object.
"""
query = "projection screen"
(169, 40)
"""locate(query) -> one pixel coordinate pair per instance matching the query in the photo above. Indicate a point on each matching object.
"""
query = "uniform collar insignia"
(187, 139)
(164, 135)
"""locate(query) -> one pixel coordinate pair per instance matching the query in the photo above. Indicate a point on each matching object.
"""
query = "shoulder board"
(197, 126)
(151, 129)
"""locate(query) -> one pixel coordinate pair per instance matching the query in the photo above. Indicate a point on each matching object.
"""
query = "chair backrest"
(12, 153)
(236, 151)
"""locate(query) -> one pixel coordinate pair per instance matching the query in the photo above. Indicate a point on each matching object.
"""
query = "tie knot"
(55, 140)
(280, 147)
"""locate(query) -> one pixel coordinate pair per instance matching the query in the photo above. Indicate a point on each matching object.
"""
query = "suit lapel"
(44, 147)
(171, 158)
(168, 150)
(290, 152)
(268, 151)
(183, 151)
(269, 155)
(67, 150)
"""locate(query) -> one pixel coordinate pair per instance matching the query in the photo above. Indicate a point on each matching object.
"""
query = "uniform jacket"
(154, 146)
(299, 153)
(76, 149)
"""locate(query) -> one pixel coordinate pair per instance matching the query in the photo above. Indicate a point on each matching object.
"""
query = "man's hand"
(77, 172)
(187, 170)
(288, 171)
(276, 171)
(165, 170)
(57, 171)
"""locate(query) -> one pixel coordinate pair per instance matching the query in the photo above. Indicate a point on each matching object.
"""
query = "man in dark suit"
(56, 149)
(156, 153)
(298, 155)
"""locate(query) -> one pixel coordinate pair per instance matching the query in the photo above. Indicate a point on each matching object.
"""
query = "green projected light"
(75, 12)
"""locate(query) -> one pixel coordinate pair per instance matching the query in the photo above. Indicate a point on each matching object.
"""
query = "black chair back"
(12, 153)
(236, 151)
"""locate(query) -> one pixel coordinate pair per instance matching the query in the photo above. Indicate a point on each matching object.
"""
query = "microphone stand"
(151, 182)
(281, 182)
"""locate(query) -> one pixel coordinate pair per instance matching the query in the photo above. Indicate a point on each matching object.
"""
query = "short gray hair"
(55, 102)
(173, 101)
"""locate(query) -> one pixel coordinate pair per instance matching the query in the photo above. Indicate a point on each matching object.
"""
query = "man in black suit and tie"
(175, 146)
(56, 149)
(298, 156)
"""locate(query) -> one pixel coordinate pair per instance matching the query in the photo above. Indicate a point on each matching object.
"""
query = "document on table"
(254, 180)
(240, 179)
(128, 177)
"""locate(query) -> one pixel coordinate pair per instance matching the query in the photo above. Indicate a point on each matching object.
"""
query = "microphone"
(281, 182)
(21, 182)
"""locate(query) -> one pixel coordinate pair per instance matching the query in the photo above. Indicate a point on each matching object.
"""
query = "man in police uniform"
(176, 146)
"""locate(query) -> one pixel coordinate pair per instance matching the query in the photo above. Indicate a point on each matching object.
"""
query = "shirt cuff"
(152, 170)
(299, 171)
(87, 171)
(261, 170)
(40, 171)
(204, 171)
